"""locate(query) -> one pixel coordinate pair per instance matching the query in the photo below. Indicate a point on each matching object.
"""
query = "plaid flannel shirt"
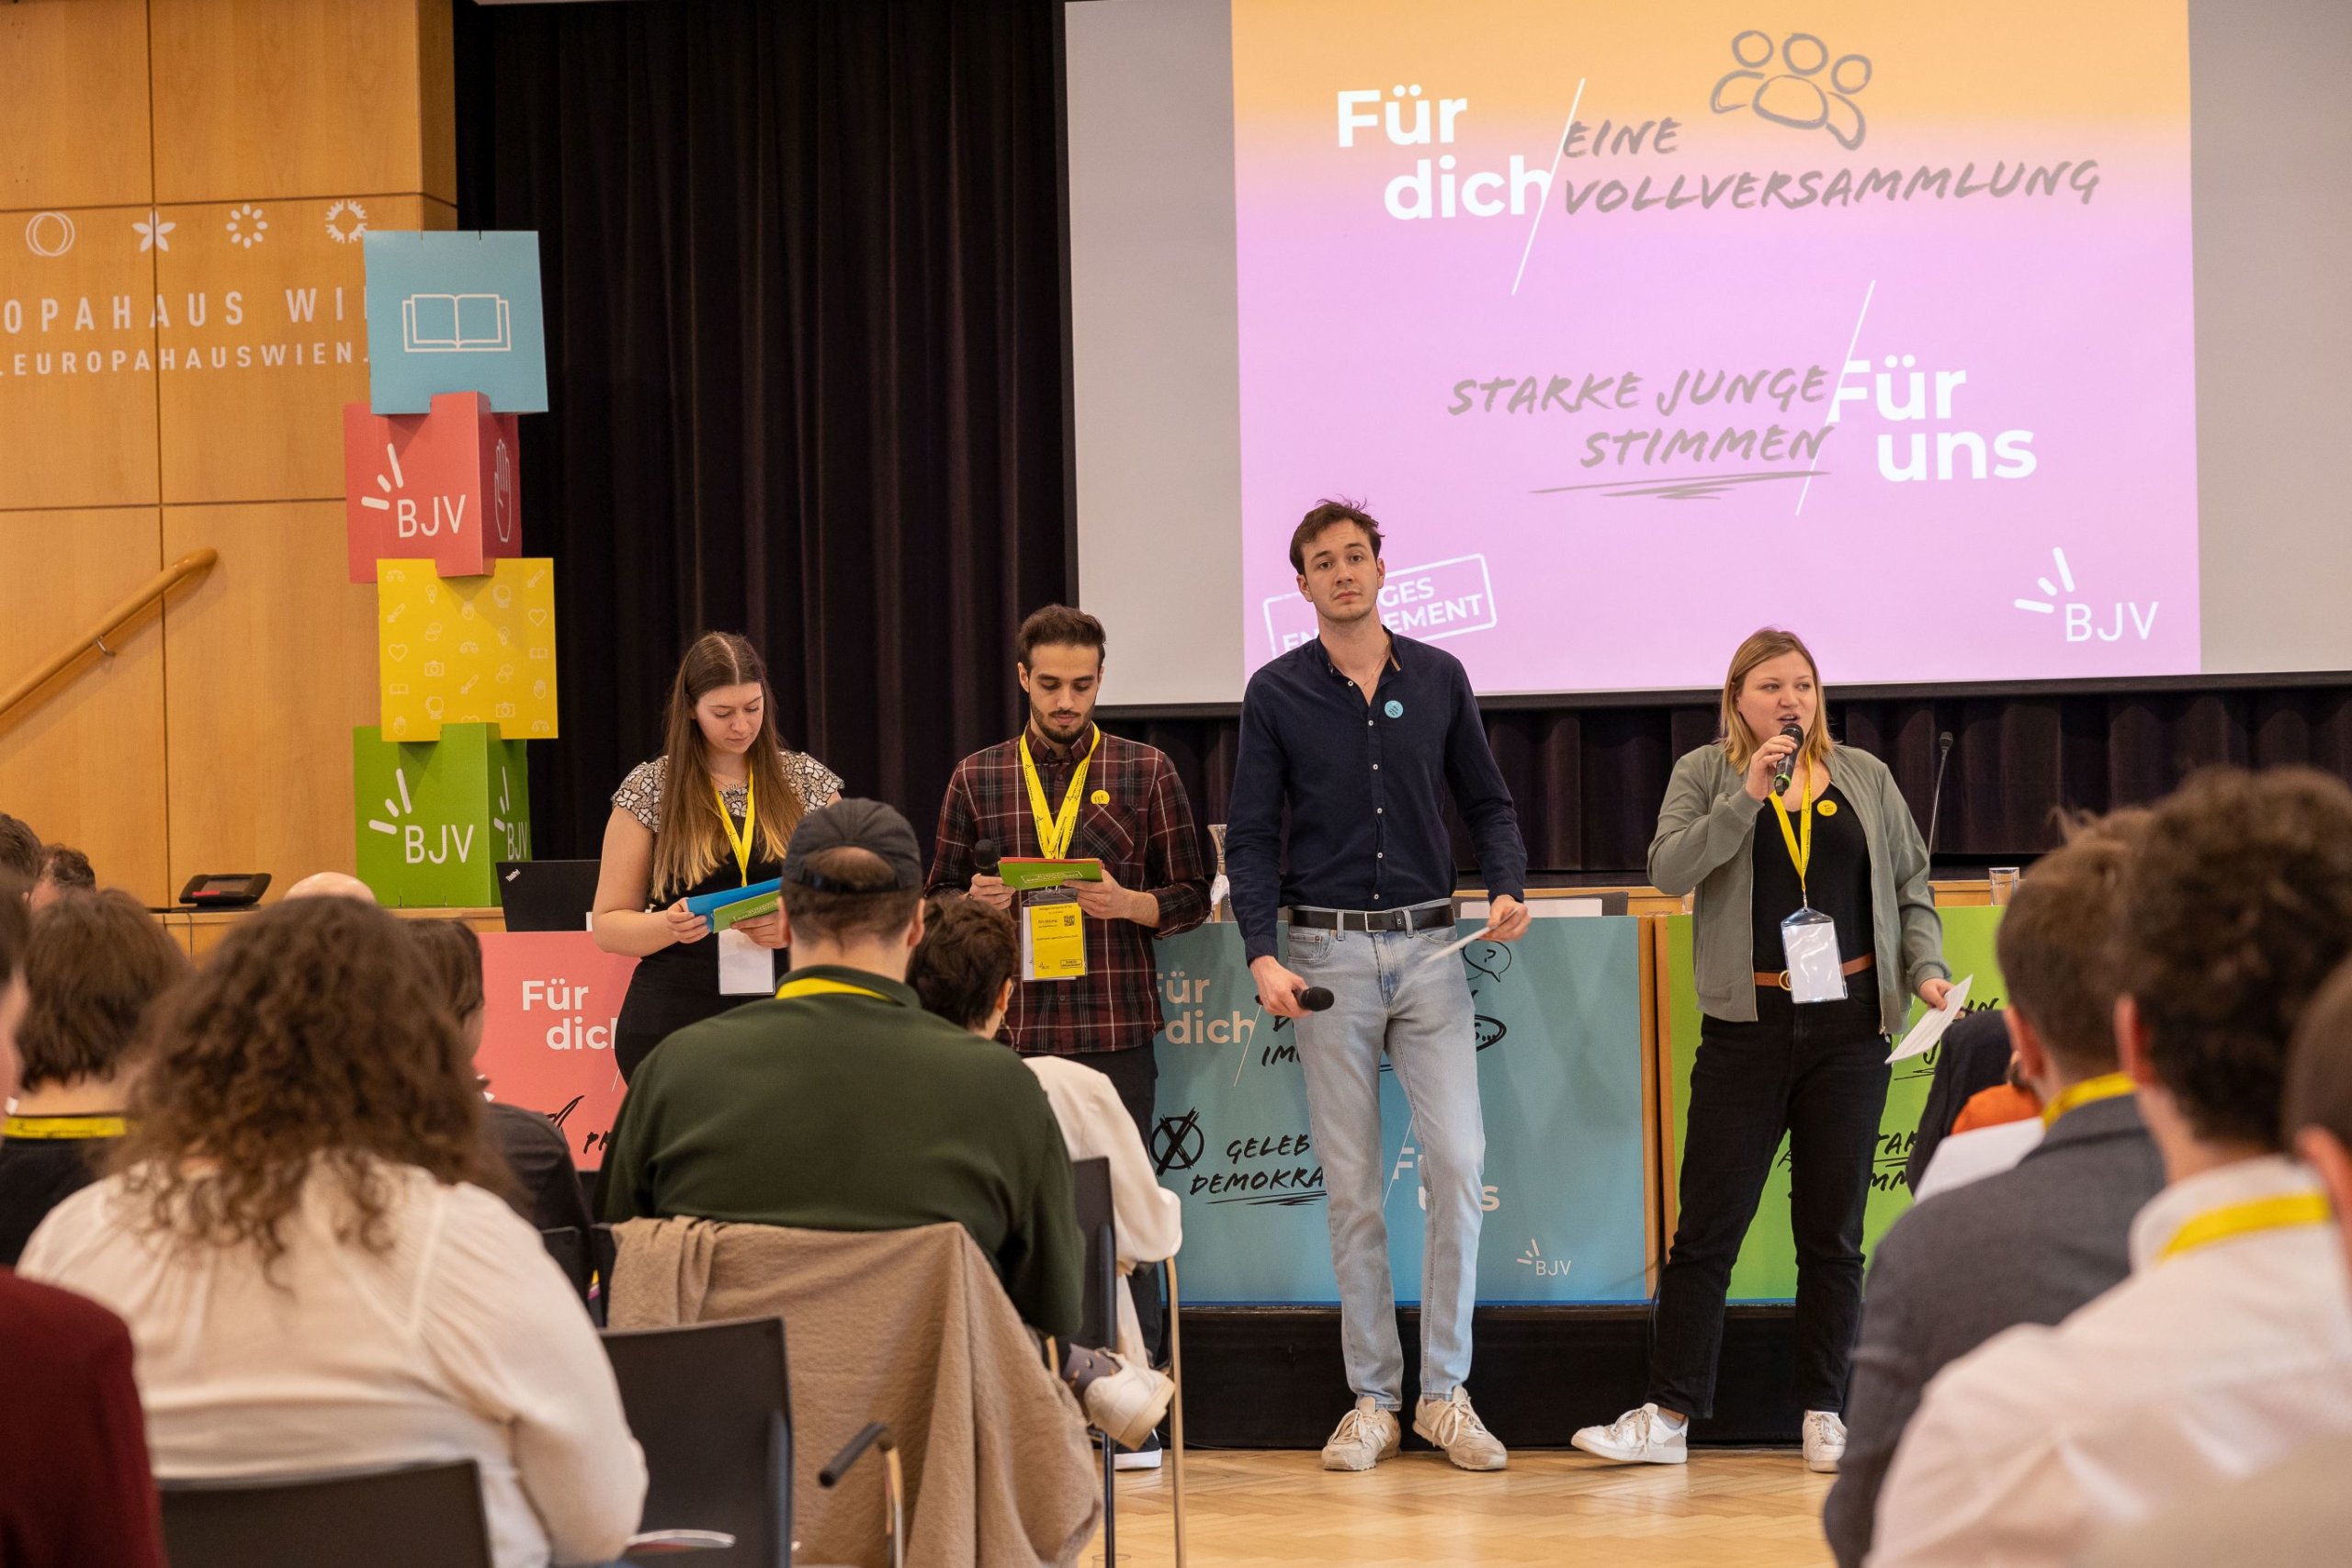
(1144, 837)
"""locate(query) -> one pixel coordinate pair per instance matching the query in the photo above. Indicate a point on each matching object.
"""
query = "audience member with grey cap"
(754, 1116)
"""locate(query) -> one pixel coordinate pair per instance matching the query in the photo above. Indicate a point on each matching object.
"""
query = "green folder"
(1026, 873)
(752, 908)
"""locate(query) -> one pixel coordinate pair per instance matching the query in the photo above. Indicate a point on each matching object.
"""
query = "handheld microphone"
(1936, 804)
(986, 859)
(1788, 731)
(1315, 998)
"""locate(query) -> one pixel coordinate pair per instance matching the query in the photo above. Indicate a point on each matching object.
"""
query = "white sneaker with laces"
(1129, 1404)
(1366, 1435)
(1452, 1425)
(1824, 1440)
(1638, 1437)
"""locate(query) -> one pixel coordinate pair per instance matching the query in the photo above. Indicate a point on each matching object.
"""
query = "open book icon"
(456, 323)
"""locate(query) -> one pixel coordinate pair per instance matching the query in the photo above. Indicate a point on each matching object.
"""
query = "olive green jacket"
(1705, 833)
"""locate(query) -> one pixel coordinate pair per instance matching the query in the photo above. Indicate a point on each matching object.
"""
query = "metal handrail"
(194, 564)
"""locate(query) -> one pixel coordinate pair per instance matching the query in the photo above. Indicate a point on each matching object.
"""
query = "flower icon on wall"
(154, 232)
(247, 227)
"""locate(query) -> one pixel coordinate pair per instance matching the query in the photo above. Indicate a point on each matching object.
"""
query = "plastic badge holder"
(1809, 940)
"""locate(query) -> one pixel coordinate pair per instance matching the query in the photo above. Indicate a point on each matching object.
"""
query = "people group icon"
(1795, 94)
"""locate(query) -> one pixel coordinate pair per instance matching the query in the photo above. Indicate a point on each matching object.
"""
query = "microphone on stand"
(986, 859)
(1788, 731)
(1936, 804)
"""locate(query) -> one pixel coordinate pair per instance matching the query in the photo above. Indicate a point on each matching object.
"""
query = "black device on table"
(225, 890)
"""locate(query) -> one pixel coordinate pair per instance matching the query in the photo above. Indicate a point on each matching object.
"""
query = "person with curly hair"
(2230, 1344)
(297, 1229)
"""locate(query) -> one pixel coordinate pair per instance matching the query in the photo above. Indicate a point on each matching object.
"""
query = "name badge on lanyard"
(1053, 927)
(1808, 937)
(745, 968)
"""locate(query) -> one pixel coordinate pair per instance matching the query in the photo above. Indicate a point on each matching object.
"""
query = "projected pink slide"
(1643, 327)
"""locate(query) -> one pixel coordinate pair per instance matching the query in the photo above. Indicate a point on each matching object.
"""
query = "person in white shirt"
(963, 970)
(2298, 1514)
(311, 1278)
(2230, 1346)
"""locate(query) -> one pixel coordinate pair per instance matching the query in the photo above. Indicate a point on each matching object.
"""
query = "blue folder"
(709, 902)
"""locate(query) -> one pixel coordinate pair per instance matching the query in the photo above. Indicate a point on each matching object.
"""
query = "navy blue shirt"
(1365, 786)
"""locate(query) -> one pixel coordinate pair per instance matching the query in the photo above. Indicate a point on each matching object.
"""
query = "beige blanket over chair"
(908, 1328)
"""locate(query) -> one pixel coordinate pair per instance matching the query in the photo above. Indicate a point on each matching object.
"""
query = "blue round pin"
(1394, 708)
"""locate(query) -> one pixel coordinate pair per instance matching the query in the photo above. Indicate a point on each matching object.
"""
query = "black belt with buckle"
(1421, 918)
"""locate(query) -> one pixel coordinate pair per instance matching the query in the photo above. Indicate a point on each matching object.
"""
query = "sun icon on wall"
(247, 227)
(347, 220)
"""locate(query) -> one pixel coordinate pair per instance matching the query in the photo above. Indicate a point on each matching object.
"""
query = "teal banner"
(1559, 1031)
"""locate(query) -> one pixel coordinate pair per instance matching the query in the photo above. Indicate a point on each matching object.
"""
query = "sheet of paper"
(745, 968)
(1930, 1029)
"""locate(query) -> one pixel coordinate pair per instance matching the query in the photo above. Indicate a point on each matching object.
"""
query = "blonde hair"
(693, 836)
(1763, 646)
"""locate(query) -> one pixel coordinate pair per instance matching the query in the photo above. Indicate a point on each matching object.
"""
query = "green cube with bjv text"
(432, 819)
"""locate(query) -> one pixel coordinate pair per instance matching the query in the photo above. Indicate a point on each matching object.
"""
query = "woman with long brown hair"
(714, 811)
(1813, 927)
(312, 1278)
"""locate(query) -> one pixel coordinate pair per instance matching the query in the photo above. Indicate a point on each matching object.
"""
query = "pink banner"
(553, 999)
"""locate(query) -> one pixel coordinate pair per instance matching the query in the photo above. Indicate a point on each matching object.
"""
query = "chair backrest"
(1090, 1187)
(403, 1516)
(569, 1247)
(710, 1405)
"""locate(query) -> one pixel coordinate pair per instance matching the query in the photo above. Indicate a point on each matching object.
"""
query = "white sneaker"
(1452, 1425)
(1129, 1404)
(1638, 1437)
(1144, 1458)
(1366, 1436)
(1824, 1440)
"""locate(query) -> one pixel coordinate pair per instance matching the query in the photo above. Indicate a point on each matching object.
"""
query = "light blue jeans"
(1390, 994)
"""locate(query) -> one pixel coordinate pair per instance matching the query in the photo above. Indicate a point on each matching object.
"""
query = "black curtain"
(802, 273)
(805, 332)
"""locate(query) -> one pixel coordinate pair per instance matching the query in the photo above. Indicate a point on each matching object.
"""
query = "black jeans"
(1817, 1073)
(1135, 1075)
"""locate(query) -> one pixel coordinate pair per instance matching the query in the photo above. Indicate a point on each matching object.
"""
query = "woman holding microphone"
(714, 811)
(1814, 928)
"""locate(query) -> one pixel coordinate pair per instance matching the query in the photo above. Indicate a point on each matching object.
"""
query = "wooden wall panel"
(281, 346)
(78, 369)
(273, 662)
(73, 103)
(86, 767)
(262, 100)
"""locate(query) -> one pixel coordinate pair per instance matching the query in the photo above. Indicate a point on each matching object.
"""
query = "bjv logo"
(2087, 620)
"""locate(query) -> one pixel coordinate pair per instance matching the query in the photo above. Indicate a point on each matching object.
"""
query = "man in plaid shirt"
(1132, 816)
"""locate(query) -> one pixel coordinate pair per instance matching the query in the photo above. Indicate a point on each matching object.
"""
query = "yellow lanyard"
(1054, 830)
(818, 985)
(2107, 1086)
(1800, 858)
(741, 846)
(2244, 1219)
(63, 1127)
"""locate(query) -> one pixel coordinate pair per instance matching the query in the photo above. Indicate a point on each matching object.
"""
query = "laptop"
(548, 895)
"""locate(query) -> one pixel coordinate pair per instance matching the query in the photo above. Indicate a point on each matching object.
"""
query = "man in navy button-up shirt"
(1361, 733)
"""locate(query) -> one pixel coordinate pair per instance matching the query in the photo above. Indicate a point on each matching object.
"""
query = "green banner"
(1767, 1269)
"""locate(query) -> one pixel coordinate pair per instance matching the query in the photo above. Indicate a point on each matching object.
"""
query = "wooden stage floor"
(1727, 1508)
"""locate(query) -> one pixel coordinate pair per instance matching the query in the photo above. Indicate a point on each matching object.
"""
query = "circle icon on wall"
(49, 235)
(347, 220)
(247, 227)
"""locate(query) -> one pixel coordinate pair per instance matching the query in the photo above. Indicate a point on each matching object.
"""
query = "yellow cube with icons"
(466, 650)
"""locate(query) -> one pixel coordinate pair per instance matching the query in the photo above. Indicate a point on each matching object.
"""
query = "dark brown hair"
(2237, 905)
(2319, 1070)
(861, 903)
(16, 927)
(2053, 940)
(310, 1039)
(1328, 513)
(1058, 626)
(97, 963)
(63, 865)
(19, 850)
(967, 952)
(694, 836)
(451, 954)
